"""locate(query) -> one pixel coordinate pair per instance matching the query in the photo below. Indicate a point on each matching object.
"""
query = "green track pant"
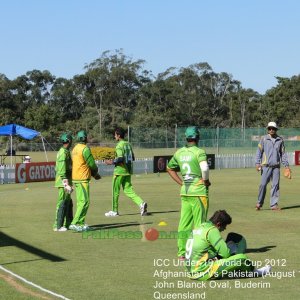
(124, 182)
(64, 209)
(193, 213)
(83, 202)
(222, 267)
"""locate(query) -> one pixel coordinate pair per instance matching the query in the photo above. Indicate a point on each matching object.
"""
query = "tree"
(281, 103)
(40, 84)
(114, 80)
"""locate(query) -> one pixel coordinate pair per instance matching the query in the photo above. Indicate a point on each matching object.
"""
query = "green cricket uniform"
(194, 194)
(124, 158)
(84, 167)
(207, 254)
(64, 206)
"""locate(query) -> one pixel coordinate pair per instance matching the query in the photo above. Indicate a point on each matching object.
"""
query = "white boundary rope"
(33, 284)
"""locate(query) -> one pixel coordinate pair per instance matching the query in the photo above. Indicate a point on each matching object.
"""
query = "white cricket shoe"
(61, 229)
(74, 227)
(112, 214)
(86, 227)
(263, 271)
(143, 209)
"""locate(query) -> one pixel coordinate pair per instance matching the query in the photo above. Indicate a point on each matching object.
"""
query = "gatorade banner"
(33, 172)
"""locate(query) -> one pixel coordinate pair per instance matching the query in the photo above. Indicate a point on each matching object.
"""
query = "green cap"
(82, 136)
(192, 132)
(66, 138)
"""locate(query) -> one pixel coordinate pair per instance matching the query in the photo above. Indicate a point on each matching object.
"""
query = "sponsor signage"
(160, 162)
(211, 161)
(297, 158)
(33, 172)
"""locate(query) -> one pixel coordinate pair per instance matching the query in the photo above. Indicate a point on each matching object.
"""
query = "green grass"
(118, 268)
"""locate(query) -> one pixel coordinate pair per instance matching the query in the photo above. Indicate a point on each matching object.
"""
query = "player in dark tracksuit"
(270, 154)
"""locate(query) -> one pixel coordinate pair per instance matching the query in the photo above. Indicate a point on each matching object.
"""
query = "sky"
(253, 40)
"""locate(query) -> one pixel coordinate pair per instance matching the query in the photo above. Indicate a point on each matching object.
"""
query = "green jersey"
(187, 160)
(125, 156)
(205, 244)
(63, 167)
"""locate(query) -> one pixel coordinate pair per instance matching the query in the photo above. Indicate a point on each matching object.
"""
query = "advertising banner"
(297, 158)
(160, 162)
(33, 172)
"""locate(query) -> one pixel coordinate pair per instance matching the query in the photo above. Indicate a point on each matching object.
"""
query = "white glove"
(67, 187)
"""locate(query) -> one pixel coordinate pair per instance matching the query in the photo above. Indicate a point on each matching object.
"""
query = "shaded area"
(259, 250)
(290, 207)
(153, 213)
(6, 240)
(117, 225)
(20, 261)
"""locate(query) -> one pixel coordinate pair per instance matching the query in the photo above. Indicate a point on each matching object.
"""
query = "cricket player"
(63, 181)
(191, 161)
(270, 154)
(84, 167)
(123, 162)
(209, 257)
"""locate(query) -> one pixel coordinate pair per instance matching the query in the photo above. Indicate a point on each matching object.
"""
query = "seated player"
(208, 256)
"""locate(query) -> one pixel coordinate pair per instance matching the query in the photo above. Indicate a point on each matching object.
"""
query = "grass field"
(81, 267)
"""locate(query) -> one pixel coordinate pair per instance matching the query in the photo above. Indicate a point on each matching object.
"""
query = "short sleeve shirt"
(187, 161)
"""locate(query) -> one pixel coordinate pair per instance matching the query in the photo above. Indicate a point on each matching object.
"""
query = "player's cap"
(272, 124)
(66, 138)
(82, 136)
(192, 132)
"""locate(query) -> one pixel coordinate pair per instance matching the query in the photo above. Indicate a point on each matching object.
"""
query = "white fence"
(238, 161)
(7, 174)
(140, 166)
(145, 166)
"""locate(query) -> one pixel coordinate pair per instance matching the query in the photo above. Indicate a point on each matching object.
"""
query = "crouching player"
(208, 256)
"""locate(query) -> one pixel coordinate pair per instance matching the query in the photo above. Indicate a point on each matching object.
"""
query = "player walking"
(123, 162)
(191, 161)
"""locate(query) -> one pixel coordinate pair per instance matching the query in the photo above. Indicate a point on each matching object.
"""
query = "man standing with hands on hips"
(191, 162)
(270, 154)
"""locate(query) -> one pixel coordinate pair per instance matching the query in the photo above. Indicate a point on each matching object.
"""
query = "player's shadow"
(290, 207)
(20, 261)
(150, 213)
(116, 225)
(6, 240)
(259, 250)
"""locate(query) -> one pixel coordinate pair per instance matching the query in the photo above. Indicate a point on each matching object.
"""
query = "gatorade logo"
(31, 172)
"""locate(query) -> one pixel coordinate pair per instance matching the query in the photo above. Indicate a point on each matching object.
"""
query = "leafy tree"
(114, 80)
(281, 103)
(41, 117)
(66, 100)
(40, 84)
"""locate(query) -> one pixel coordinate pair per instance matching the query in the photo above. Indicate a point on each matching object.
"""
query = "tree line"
(116, 90)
